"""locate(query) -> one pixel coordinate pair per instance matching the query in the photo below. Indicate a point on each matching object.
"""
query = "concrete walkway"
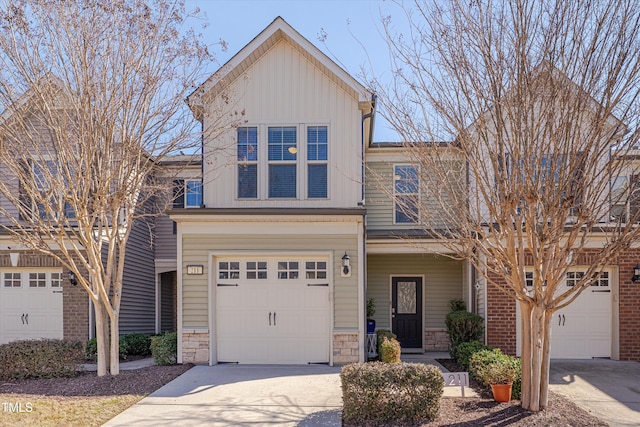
(125, 366)
(243, 395)
(234, 395)
(608, 389)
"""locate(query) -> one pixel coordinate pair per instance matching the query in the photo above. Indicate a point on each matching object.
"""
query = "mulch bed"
(138, 382)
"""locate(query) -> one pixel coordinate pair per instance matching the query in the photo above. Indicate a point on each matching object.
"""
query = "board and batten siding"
(283, 88)
(196, 249)
(443, 281)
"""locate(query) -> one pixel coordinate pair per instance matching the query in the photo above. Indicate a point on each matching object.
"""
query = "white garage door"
(273, 311)
(30, 305)
(583, 329)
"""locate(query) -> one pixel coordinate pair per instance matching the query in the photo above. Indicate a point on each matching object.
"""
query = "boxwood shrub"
(164, 348)
(46, 358)
(463, 326)
(463, 351)
(380, 335)
(390, 350)
(377, 393)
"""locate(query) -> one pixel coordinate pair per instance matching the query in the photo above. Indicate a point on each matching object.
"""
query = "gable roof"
(278, 30)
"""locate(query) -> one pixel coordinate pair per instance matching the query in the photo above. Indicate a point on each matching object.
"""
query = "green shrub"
(379, 393)
(457, 304)
(463, 326)
(380, 335)
(494, 367)
(164, 348)
(46, 358)
(91, 349)
(463, 351)
(390, 350)
(135, 345)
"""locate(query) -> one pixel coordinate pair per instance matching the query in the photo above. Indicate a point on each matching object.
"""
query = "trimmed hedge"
(463, 326)
(377, 393)
(128, 345)
(164, 348)
(46, 358)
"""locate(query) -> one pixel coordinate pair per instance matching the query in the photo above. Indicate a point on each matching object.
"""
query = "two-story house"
(37, 297)
(303, 219)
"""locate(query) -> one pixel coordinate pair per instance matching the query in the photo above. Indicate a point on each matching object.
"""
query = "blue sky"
(353, 31)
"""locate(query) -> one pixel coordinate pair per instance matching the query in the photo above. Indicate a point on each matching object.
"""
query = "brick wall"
(75, 301)
(629, 306)
(501, 318)
(346, 348)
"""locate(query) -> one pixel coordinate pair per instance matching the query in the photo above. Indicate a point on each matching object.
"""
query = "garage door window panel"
(316, 269)
(256, 270)
(12, 280)
(229, 270)
(37, 280)
(288, 270)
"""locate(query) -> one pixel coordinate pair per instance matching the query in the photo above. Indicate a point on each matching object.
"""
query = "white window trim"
(395, 204)
(301, 162)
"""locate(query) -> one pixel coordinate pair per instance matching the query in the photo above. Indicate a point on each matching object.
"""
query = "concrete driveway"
(232, 395)
(608, 389)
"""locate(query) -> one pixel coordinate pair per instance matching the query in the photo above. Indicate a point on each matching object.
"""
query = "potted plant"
(500, 375)
(371, 310)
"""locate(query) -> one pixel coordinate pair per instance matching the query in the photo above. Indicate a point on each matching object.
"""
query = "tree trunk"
(525, 324)
(102, 338)
(535, 368)
(115, 344)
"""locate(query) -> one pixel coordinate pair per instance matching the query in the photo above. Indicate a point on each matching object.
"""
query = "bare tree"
(93, 97)
(537, 100)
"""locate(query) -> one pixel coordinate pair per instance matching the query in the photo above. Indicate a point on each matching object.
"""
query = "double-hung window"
(406, 194)
(193, 194)
(247, 162)
(282, 155)
(45, 174)
(317, 156)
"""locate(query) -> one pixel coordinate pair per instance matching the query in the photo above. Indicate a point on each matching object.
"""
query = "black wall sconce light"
(346, 265)
(72, 278)
(636, 273)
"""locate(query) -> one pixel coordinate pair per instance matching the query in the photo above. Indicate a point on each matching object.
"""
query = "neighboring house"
(37, 300)
(303, 219)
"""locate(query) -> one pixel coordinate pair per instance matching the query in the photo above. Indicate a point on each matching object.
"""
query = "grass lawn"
(36, 410)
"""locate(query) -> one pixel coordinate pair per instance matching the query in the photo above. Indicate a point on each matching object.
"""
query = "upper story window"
(283, 150)
(49, 203)
(317, 156)
(187, 193)
(282, 162)
(247, 162)
(406, 191)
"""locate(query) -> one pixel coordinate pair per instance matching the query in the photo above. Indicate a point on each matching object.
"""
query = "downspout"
(370, 116)
(202, 162)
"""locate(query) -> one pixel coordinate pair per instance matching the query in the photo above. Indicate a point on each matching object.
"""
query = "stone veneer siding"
(346, 348)
(501, 314)
(75, 300)
(436, 340)
(195, 347)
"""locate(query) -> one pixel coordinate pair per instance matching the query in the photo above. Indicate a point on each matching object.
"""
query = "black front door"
(406, 310)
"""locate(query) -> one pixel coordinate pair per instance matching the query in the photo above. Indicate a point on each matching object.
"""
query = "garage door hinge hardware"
(601, 290)
(317, 284)
(227, 284)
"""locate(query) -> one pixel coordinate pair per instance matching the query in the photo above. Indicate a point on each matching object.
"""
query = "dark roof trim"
(269, 211)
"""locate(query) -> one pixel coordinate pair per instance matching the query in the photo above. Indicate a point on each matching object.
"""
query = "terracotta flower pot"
(501, 392)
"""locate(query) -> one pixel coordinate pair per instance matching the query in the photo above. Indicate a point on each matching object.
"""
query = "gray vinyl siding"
(138, 307)
(197, 247)
(165, 239)
(443, 281)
